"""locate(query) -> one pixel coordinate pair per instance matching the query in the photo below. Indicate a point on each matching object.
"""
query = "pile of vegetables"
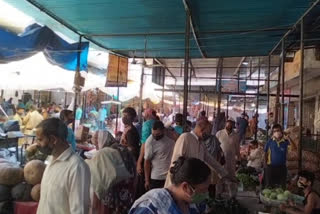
(248, 181)
(20, 184)
(276, 194)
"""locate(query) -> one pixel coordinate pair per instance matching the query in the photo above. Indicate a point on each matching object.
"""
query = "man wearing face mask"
(190, 182)
(189, 145)
(276, 151)
(230, 145)
(65, 185)
(311, 203)
(157, 157)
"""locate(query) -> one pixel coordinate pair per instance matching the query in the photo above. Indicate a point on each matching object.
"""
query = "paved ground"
(250, 201)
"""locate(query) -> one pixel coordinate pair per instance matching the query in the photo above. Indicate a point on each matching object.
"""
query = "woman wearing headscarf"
(113, 176)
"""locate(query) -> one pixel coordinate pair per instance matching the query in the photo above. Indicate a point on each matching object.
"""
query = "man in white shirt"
(230, 145)
(157, 157)
(189, 145)
(65, 185)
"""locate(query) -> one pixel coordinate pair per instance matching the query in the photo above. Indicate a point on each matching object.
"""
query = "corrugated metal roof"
(225, 28)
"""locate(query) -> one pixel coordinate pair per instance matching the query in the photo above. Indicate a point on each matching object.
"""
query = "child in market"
(255, 158)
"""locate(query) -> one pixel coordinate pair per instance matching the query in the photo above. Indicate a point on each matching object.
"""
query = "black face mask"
(126, 121)
(159, 137)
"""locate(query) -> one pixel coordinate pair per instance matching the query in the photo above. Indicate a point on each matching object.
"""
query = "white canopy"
(36, 73)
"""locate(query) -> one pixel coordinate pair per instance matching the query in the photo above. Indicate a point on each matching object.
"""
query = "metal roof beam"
(195, 35)
(183, 33)
(238, 67)
(295, 25)
(227, 93)
(164, 65)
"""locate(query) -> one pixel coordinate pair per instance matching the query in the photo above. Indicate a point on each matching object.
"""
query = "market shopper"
(229, 140)
(253, 123)
(113, 176)
(67, 117)
(276, 151)
(102, 117)
(146, 132)
(190, 181)
(19, 116)
(202, 116)
(242, 128)
(213, 146)
(157, 157)
(31, 120)
(78, 117)
(255, 158)
(130, 136)
(44, 112)
(178, 124)
(230, 146)
(66, 180)
(311, 203)
(189, 145)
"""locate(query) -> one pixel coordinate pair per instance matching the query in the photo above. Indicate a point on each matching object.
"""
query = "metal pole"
(245, 97)
(276, 114)
(239, 81)
(190, 78)
(118, 92)
(175, 96)
(301, 92)
(65, 99)
(162, 98)
(186, 66)
(39, 100)
(141, 94)
(141, 85)
(200, 97)
(220, 84)
(282, 80)
(258, 96)
(77, 88)
(227, 106)
(268, 95)
(208, 107)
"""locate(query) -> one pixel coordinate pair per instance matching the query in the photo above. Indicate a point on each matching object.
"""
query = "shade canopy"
(223, 28)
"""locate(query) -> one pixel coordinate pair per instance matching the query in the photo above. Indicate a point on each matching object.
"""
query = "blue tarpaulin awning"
(37, 38)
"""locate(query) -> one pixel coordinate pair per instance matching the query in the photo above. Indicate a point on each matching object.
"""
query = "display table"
(25, 207)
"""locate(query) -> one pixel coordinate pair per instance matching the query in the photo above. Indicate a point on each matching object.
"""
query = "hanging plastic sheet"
(36, 38)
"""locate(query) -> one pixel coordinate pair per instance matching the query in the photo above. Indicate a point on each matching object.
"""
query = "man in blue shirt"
(242, 128)
(276, 151)
(102, 117)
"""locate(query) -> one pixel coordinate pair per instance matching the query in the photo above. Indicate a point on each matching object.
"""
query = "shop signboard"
(117, 74)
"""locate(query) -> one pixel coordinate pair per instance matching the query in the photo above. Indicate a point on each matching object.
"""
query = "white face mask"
(277, 135)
